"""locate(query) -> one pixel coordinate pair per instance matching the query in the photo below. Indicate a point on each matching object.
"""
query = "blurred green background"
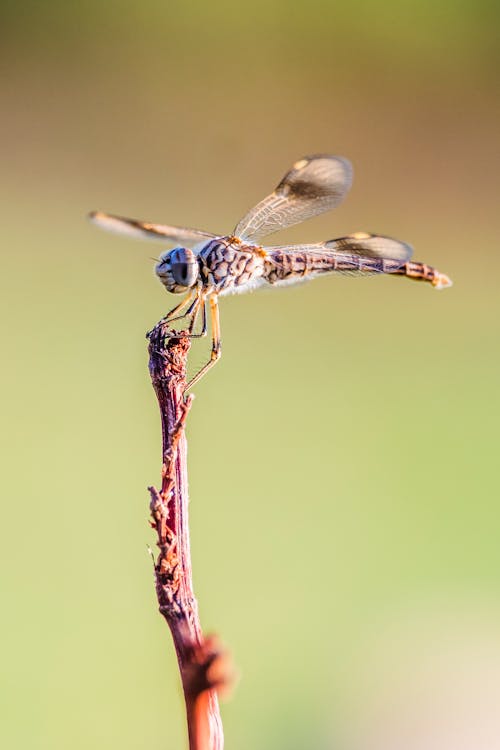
(343, 454)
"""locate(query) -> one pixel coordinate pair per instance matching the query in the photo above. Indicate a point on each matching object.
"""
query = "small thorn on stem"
(210, 668)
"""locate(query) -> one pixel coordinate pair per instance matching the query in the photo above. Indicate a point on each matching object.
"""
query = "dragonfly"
(205, 266)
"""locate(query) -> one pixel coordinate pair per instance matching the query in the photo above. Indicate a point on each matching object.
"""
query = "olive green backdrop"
(344, 453)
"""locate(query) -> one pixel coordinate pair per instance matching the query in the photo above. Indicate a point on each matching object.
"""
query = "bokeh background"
(343, 454)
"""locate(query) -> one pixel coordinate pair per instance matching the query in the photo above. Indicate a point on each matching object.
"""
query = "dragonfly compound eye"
(178, 269)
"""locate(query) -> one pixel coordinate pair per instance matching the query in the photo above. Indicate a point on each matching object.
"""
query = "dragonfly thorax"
(228, 265)
(178, 269)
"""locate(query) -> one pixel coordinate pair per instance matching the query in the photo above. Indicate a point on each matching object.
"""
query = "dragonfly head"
(178, 269)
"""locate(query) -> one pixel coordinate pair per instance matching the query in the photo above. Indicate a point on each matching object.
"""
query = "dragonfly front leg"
(216, 341)
(171, 316)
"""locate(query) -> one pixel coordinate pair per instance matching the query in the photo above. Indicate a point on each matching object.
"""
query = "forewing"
(359, 253)
(148, 230)
(314, 184)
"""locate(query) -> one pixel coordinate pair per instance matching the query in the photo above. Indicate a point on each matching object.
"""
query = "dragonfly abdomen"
(283, 266)
(289, 267)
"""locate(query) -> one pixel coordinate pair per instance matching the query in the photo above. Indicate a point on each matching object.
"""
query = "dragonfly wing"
(314, 184)
(362, 245)
(354, 255)
(148, 230)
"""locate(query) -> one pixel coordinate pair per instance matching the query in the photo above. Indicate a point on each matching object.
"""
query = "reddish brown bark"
(203, 666)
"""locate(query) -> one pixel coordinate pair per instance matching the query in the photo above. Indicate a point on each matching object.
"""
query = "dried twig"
(203, 666)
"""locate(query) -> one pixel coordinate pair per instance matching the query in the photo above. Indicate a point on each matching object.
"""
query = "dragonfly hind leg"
(194, 311)
(216, 341)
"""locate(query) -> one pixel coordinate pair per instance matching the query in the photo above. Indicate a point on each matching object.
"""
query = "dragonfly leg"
(172, 315)
(198, 305)
(192, 313)
(216, 342)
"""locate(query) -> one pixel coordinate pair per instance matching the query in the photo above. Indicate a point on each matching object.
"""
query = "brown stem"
(202, 664)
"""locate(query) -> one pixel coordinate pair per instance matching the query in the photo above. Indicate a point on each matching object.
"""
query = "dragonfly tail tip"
(441, 281)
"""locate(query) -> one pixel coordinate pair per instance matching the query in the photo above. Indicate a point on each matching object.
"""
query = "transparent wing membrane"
(148, 230)
(355, 255)
(315, 184)
(364, 245)
(355, 249)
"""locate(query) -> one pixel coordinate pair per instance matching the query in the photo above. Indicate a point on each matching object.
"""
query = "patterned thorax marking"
(227, 264)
